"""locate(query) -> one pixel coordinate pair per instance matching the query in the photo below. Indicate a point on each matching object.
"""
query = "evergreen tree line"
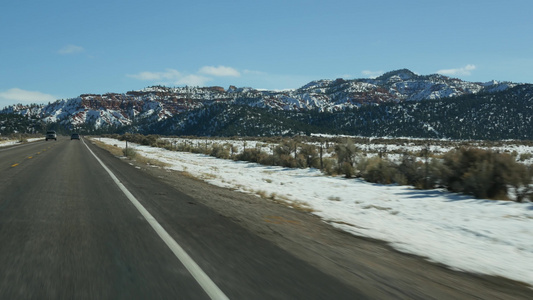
(505, 115)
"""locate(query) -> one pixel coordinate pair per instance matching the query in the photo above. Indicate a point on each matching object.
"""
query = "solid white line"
(205, 282)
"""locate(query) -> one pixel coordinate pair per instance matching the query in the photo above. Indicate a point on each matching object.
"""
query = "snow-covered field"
(393, 151)
(481, 236)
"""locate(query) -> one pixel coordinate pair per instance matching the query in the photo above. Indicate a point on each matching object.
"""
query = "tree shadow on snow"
(448, 196)
(455, 197)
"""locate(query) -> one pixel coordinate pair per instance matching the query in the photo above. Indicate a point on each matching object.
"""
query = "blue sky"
(61, 49)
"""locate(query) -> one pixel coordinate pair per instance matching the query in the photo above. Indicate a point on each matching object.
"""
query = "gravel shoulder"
(370, 266)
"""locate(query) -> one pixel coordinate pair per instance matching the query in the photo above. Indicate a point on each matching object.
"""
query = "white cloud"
(171, 77)
(174, 77)
(464, 71)
(70, 49)
(220, 71)
(16, 96)
(372, 74)
(168, 75)
(193, 80)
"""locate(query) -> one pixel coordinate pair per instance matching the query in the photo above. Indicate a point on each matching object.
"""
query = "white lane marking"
(205, 282)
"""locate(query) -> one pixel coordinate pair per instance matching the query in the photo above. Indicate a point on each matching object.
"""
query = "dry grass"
(262, 194)
(376, 207)
(150, 161)
(280, 199)
(345, 223)
(208, 176)
(342, 223)
(116, 151)
(302, 206)
(188, 175)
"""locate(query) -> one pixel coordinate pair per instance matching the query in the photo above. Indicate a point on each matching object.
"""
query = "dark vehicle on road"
(51, 135)
(75, 136)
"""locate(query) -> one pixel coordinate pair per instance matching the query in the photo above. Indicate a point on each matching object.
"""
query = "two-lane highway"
(68, 231)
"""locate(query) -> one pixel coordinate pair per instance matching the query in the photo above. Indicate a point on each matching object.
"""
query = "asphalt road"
(68, 231)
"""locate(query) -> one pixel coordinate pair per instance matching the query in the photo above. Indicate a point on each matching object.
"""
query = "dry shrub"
(129, 152)
(346, 152)
(411, 171)
(482, 173)
(330, 166)
(347, 169)
(286, 147)
(521, 183)
(288, 161)
(150, 161)
(116, 151)
(252, 155)
(378, 170)
(309, 153)
(220, 151)
(525, 156)
(268, 160)
(184, 147)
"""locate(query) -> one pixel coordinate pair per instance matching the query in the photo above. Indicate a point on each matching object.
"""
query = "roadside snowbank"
(5, 143)
(480, 236)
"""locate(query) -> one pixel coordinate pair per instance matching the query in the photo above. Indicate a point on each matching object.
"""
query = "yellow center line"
(14, 165)
(30, 157)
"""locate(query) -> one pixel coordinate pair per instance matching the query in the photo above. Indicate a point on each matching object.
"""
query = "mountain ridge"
(159, 104)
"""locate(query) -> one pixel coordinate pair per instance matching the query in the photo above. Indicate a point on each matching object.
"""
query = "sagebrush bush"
(288, 161)
(310, 154)
(129, 152)
(220, 151)
(481, 173)
(525, 156)
(378, 170)
(329, 166)
(184, 147)
(347, 169)
(412, 172)
(251, 155)
(346, 152)
(160, 143)
(283, 149)
(269, 160)
(521, 183)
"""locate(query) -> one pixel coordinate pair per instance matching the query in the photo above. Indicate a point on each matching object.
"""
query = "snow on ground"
(5, 143)
(480, 236)
(393, 151)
